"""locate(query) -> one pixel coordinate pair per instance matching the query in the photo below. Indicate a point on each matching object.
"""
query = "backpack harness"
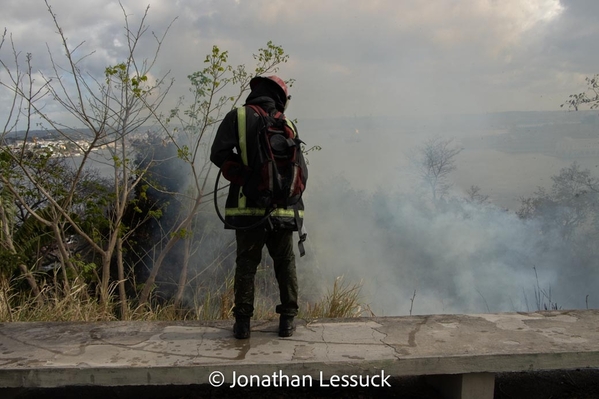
(276, 181)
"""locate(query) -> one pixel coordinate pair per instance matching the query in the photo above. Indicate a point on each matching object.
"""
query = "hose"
(220, 216)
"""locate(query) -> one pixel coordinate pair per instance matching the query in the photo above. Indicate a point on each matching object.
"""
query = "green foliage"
(182, 234)
(184, 153)
(9, 262)
(218, 87)
(569, 207)
(87, 271)
(589, 97)
(307, 151)
(120, 76)
(31, 235)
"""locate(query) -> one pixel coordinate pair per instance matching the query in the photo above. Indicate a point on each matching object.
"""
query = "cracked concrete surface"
(140, 353)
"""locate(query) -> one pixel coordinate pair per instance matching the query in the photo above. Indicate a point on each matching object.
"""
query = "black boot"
(241, 328)
(286, 326)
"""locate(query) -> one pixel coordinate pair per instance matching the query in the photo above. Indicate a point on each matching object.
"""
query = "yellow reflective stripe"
(241, 129)
(241, 133)
(291, 126)
(241, 201)
(281, 212)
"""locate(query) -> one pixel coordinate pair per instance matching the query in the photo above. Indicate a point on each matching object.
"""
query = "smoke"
(452, 257)
(167, 190)
(464, 258)
(368, 222)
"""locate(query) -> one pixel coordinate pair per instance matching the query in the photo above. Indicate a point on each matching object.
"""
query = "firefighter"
(234, 150)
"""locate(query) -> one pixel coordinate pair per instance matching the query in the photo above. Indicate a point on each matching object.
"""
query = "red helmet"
(280, 83)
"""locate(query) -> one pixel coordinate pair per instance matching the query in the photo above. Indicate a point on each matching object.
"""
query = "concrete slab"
(337, 352)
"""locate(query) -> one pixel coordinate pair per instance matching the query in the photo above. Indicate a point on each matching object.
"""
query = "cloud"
(383, 56)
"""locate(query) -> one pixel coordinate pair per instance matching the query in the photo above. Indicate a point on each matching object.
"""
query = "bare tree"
(107, 111)
(474, 195)
(215, 90)
(434, 162)
(569, 206)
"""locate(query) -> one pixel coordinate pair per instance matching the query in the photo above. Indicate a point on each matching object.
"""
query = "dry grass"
(343, 301)
(209, 303)
(57, 304)
(214, 302)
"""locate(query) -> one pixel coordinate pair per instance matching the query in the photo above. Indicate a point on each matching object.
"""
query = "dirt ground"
(571, 384)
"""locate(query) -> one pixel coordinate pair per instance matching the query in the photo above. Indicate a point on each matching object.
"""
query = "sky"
(349, 57)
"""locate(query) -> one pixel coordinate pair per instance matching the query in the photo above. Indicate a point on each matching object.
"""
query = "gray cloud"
(383, 57)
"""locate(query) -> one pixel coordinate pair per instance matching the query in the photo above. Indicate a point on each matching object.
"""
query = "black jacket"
(240, 211)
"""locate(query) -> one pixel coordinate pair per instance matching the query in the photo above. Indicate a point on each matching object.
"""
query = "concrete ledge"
(470, 347)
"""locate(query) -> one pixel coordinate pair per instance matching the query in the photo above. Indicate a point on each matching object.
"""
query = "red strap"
(262, 112)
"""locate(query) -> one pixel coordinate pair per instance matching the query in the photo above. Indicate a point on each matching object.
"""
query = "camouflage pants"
(249, 255)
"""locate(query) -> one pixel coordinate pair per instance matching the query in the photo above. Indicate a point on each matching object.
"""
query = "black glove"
(235, 171)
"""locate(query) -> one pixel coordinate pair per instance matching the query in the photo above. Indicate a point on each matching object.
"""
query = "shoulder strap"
(277, 114)
(292, 127)
(258, 109)
(241, 132)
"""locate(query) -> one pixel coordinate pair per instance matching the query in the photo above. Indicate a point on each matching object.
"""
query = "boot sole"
(285, 333)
